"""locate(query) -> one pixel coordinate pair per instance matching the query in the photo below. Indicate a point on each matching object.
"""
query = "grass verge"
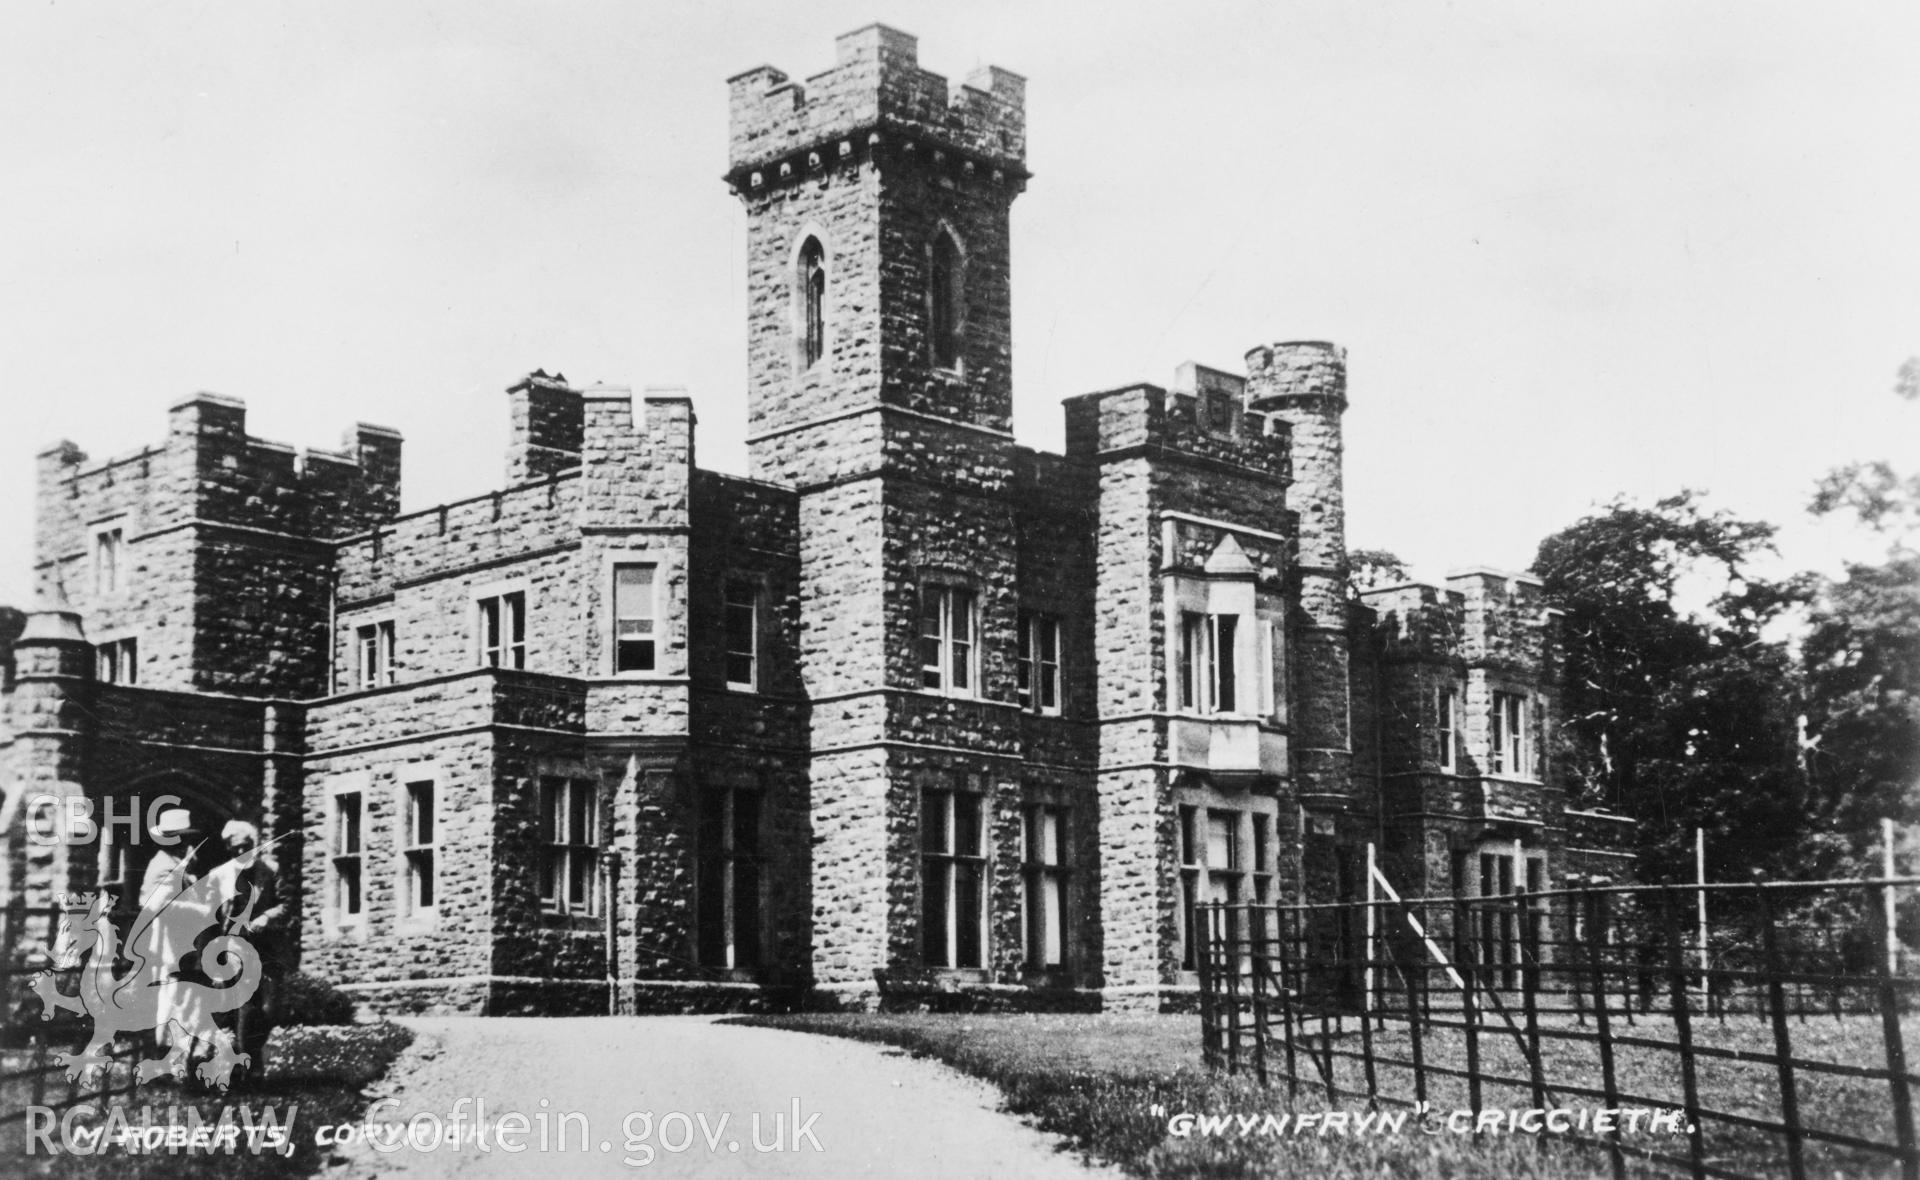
(1110, 1084)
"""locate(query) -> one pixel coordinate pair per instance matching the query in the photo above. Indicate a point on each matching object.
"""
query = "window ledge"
(1058, 976)
(584, 923)
(956, 975)
(943, 695)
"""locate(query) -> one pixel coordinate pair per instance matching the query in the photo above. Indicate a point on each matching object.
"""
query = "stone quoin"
(910, 713)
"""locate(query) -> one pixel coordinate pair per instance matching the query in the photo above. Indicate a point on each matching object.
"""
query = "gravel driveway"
(654, 1090)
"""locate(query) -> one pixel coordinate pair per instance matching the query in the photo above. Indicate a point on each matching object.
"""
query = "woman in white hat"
(168, 874)
(171, 868)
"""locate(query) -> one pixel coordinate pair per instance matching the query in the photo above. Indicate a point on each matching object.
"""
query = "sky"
(1574, 251)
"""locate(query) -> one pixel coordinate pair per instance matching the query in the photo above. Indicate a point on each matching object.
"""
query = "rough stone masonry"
(909, 714)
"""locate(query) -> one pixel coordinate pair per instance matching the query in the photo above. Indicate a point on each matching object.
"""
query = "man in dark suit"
(264, 914)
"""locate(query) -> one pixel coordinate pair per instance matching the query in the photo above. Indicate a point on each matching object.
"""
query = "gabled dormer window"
(812, 282)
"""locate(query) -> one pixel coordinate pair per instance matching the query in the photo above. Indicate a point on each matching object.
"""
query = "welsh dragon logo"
(152, 994)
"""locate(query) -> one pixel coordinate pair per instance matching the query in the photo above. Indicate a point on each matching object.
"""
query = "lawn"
(318, 1069)
(1112, 1083)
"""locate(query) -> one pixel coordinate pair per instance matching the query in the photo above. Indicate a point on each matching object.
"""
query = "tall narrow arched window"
(946, 293)
(813, 303)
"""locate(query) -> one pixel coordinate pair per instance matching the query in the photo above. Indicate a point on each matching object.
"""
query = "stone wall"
(878, 471)
(224, 566)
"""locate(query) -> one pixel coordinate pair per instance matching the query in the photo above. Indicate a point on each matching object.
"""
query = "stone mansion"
(909, 708)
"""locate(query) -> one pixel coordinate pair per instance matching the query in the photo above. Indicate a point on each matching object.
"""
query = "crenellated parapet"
(876, 100)
(235, 478)
(1201, 419)
(1506, 623)
(1416, 621)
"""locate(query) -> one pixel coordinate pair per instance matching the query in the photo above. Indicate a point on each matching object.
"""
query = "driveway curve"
(683, 1096)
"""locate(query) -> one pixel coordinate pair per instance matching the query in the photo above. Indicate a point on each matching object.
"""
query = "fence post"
(1327, 1065)
(1700, 907)
(1367, 1012)
(1468, 961)
(1887, 896)
(1683, 1027)
(1596, 963)
(1202, 917)
(1897, 1055)
(1262, 965)
(1283, 919)
(1415, 980)
(1230, 967)
(1782, 1036)
(1530, 986)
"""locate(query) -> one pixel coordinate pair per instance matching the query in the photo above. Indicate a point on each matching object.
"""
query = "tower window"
(946, 290)
(947, 628)
(1047, 857)
(418, 884)
(375, 644)
(813, 303)
(503, 630)
(109, 550)
(1208, 653)
(1213, 869)
(634, 616)
(1447, 719)
(1037, 669)
(570, 835)
(348, 904)
(742, 614)
(952, 879)
(727, 897)
(117, 661)
(1510, 752)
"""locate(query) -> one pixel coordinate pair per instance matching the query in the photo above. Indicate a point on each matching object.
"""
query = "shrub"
(308, 999)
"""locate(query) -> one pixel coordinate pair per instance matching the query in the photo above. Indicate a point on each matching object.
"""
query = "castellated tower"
(880, 387)
(877, 206)
(1304, 384)
(914, 716)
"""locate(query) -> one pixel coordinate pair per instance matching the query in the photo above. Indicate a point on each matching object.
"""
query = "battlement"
(211, 469)
(1482, 615)
(1417, 619)
(1299, 372)
(1202, 416)
(546, 429)
(1521, 589)
(875, 94)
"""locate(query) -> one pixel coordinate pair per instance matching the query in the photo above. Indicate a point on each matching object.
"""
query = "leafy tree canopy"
(1861, 666)
(1678, 713)
(1371, 569)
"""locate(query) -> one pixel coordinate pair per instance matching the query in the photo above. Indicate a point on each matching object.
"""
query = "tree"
(1370, 569)
(1679, 715)
(1861, 663)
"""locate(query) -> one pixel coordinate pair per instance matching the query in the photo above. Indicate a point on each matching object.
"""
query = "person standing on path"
(262, 913)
